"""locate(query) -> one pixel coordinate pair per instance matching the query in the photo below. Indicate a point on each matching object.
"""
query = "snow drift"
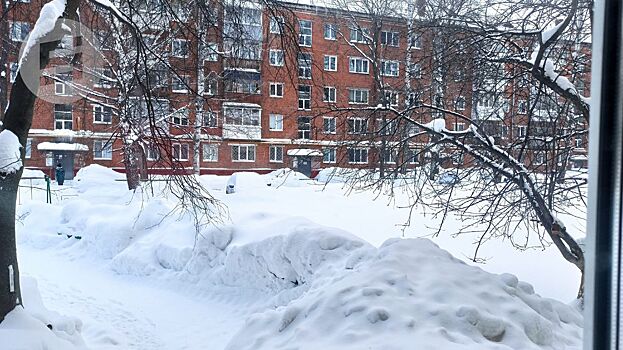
(412, 294)
(314, 286)
(36, 327)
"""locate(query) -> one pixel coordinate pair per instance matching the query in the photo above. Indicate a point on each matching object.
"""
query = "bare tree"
(488, 119)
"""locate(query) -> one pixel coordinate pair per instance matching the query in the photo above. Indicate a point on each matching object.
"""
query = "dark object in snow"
(60, 174)
(231, 185)
(69, 236)
(50, 327)
(78, 237)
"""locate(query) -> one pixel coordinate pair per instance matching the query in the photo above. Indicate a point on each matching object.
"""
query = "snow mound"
(397, 296)
(28, 329)
(297, 252)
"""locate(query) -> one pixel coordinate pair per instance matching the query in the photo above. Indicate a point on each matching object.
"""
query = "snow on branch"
(46, 23)
(10, 153)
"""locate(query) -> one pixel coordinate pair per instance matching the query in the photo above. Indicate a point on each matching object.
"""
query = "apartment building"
(253, 99)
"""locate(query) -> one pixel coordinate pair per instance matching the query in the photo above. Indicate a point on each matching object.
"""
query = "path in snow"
(129, 313)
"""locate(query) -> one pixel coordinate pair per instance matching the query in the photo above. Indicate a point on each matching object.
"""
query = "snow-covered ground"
(293, 263)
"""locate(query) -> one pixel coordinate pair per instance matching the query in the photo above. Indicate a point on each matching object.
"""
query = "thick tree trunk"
(18, 119)
(10, 294)
(134, 162)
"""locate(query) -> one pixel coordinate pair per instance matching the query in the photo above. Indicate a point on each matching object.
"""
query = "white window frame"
(360, 92)
(211, 52)
(306, 102)
(276, 25)
(209, 149)
(460, 103)
(184, 83)
(274, 89)
(332, 29)
(357, 126)
(307, 36)
(387, 68)
(248, 148)
(332, 98)
(275, 120)
(181, 117)
(174, 52)
(360, 35)
(273, 154)
(105, 149)
(459, 126)
(276, 58)
(102, 113)
(329, 155)
(522, 106)
(395, 36)
(28, 149)
(331, 122)
(358, 65)
(330, 63)
(360, 150)
(178, 154)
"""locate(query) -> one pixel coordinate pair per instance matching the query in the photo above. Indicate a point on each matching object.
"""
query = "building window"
(243, 84)
(304, 128)
(359, 35)
(275, 154)
(28, 149)
(330, 31)
(304, 97)
(539, 158)
(329, 155)
(180, 151)
(459, 126)
(330, 94)
(416, 41)
(211, 87)
(416, 71)
(102, 149)
(13, 72)
(390, 68)
(305, 33)
(19, 31)
(275, 122)
(102, 114)
(357, 96)
(180, 117)
(413, 156)
(579, 142)
(358, 65)
(329, 125)
(389, 156)
(210, 152)
(390, 38)
(179, 48)
(391, 98)
(242, 116)
(181, 83)
(358, 155)
(522, 107)
(276, 25)
(521, 131)
(330, 63)
(210, 119)
(486, 100)
(276, 89)
(153, 152)
(102, 78)
(387, 127)
(61, 86)
(211, 52)
(63, 117)
(305, 65)
(276, 58)
(357, 125)
(243, 153)
(459, 104)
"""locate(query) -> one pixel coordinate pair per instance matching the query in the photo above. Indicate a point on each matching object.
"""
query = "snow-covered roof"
(304, 152)
(62, 146)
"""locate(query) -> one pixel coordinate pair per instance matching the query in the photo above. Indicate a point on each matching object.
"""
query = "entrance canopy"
(62, 146)
(304, 152)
